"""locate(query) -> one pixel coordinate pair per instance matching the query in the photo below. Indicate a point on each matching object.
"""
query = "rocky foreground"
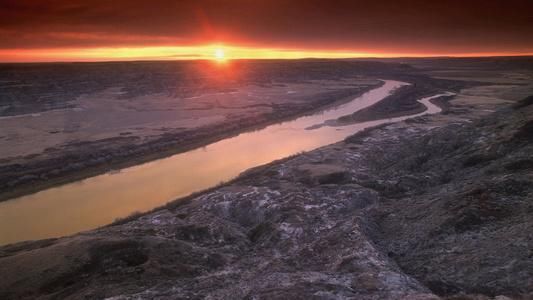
(414, 210)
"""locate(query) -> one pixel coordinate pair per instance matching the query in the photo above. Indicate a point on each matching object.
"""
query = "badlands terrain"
(437, 206)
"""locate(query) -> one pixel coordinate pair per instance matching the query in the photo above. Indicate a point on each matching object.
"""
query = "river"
(99, 200)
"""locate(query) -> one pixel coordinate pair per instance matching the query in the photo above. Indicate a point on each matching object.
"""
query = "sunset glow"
(207, 52)
(62, 30)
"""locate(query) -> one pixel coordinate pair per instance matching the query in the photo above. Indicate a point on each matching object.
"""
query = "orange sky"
(101, 30)
(204, 52)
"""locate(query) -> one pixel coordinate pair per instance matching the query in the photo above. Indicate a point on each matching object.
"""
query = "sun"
(219, 54)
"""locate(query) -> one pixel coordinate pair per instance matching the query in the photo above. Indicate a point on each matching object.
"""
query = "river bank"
(403, 102)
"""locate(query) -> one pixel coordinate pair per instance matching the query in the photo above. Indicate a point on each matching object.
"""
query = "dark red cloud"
(400, 25)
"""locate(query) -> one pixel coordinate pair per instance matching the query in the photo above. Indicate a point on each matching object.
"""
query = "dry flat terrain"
(107, 114)
(61, 122)
(433, 207)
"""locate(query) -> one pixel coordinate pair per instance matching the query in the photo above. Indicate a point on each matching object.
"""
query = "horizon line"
(229, 53)
(268, 59)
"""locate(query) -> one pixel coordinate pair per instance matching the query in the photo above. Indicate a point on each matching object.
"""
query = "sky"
(75, 30)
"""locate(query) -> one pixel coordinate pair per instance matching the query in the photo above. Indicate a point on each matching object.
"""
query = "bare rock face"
(320, 173)
(415, 211)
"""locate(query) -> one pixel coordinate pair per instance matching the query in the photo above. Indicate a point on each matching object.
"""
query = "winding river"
(99, 200)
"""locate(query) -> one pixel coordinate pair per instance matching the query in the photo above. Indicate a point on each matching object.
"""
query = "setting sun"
(219, 54)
